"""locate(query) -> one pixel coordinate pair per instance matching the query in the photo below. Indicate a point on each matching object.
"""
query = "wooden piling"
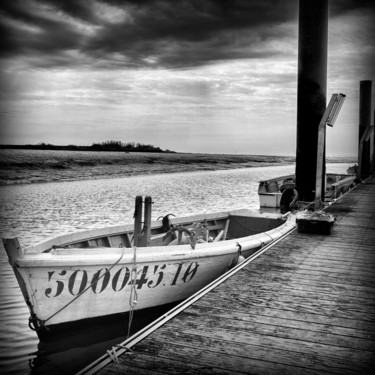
(364, 136)
(311, 91)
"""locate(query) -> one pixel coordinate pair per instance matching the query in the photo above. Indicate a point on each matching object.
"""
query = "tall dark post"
(138, 220)
(146, 231)
(365, 88)
(311, 91)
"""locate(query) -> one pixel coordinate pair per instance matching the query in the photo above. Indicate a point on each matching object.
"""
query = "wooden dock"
(306, 306)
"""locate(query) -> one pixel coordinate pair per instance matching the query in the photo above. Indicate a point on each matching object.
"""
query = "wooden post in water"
(364, 136)
(311, 92)
(137, 221)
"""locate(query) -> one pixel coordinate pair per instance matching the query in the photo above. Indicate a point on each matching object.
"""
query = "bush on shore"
(102, 146)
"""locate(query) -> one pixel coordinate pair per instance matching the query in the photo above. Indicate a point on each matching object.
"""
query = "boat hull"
(70, 293)
(67, 284)
(270, 191)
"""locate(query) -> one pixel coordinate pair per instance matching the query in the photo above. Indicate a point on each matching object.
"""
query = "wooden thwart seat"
(223, 230)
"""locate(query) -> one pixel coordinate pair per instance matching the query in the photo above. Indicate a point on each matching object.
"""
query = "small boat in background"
(270, 191)
(100, 273)
(353, 169)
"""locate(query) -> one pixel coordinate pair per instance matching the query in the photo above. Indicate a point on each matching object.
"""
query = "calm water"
(38, 211)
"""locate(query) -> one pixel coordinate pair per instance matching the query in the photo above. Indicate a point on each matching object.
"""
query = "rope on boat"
(239, 248)
(133, 298)
(303, 206)
(42, 322)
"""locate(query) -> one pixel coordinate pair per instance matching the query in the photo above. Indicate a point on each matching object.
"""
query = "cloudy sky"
(209, 76)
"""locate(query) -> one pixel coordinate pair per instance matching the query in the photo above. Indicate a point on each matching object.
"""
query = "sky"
(207, 76)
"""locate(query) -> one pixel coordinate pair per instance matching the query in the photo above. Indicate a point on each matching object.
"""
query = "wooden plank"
(109, 242)
(358, 326)
(128, 240)
(117, 368)
(226, 229)
(254, 344)
(331, 286)
(226, 350)
(215, 226)
(221, 359)
(318, 288)
(276, 327)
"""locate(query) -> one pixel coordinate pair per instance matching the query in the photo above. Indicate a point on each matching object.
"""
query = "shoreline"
(30, 166)
(95, 173)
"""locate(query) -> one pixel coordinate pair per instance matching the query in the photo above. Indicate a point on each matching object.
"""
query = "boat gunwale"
(293, 175)
(71, 238)
(277, 178)
(109, 255)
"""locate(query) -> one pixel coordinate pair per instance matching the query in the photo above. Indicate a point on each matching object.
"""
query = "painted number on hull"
(151, 277)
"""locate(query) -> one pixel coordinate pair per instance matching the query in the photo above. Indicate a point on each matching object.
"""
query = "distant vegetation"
(103, 146)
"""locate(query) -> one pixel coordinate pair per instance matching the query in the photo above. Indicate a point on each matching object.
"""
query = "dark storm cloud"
(17, 17)
(185, 33)
(343, 6)
(164, 33)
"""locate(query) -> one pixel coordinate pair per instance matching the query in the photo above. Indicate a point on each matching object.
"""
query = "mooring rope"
(112, 353)
(133, 298)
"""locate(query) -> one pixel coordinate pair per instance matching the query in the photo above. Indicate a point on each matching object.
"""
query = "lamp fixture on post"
(329, 118)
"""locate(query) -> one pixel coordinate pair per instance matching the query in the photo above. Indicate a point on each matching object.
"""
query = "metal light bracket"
(329, 117)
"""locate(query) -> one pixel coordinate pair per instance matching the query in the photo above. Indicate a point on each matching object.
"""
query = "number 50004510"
(75, 282)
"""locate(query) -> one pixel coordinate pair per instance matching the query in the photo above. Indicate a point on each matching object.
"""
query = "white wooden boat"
(100, 273)
(270, 191)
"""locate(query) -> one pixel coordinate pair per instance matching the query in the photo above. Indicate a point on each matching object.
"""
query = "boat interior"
(175, 232)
